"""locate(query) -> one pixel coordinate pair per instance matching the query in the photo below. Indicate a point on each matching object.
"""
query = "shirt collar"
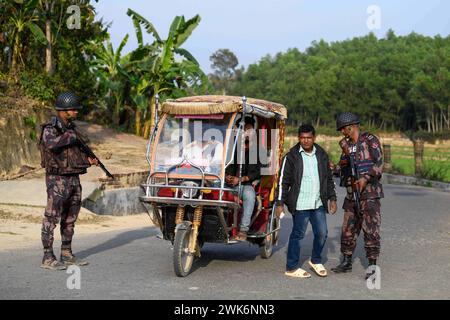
(309, 154)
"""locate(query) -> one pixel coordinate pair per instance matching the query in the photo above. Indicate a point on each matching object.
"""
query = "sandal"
(241, 236)
(299, 273)
(319, 269)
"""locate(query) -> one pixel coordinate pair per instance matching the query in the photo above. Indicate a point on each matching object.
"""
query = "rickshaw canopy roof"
(215, 104)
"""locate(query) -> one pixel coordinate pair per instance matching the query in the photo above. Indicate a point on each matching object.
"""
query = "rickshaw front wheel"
(182, 259)
(266, 247)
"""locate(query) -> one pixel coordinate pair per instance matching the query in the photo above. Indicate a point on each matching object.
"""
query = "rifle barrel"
(91, 154)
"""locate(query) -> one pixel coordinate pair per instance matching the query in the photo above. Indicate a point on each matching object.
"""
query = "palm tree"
(53, 14)
(47, 7)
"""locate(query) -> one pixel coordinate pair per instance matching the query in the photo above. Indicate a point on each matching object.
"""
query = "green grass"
(403, 166)
(437, 170)
(429, 153)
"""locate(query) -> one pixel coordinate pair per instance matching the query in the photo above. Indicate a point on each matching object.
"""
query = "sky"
(254, 28)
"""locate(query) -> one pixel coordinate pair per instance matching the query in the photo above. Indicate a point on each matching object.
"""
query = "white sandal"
(299, 273)
(319, 269)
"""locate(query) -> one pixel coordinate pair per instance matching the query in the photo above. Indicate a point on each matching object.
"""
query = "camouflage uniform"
(369, 163)
(64, 162)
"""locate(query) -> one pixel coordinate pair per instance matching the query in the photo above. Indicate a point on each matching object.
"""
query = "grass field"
(436, 157)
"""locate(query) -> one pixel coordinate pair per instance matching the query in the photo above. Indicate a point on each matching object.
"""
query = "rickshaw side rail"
(147, 188)
(260, 235)
(184, 201)
(175, 186)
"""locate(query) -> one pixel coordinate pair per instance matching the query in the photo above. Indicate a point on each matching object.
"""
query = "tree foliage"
(224, 63)
(43, 56)
(400, 83)
(27, 28)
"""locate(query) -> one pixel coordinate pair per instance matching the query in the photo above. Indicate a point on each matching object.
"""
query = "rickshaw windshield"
(196, 138)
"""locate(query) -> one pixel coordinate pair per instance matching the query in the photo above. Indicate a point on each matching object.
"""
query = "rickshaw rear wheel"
(182, 259)
(266, 247)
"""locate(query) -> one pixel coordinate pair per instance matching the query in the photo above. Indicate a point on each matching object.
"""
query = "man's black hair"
(306, 128)
(249, 120)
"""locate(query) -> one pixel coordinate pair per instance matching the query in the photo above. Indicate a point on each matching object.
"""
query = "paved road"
(135, 264)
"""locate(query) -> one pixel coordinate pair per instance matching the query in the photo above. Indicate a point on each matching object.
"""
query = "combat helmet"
(346, 119)
(67, 101)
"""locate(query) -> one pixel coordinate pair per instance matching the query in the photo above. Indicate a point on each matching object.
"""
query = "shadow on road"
(119, 240)
(243, 252)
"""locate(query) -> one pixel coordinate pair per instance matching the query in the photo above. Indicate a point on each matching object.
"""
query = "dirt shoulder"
(21, 218)
(20, 226)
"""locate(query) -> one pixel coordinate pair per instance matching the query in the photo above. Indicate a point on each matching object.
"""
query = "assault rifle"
(84, 147)
(352, 174)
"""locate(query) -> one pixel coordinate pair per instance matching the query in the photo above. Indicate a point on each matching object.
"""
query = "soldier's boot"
(68, 258)
(369, 273)
(345, 266)
(50, 262)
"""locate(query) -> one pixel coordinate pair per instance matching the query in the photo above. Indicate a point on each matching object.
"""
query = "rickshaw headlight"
(189, 193)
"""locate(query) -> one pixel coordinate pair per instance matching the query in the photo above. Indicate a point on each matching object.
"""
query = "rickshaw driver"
(250, 173)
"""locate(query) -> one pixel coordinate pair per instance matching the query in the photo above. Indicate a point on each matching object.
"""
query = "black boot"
(345, 266)
(372, 262)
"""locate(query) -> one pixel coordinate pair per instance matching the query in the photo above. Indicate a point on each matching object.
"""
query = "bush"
(37, 85)
(30, 122)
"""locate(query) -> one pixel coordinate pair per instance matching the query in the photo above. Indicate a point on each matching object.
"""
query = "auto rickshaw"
(186, 194)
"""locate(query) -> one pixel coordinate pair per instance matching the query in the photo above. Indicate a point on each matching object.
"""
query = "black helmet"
(346, 119)
(67, 101)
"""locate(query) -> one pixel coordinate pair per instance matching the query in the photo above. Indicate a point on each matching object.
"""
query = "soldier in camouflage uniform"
(63, 161)
(369, 162)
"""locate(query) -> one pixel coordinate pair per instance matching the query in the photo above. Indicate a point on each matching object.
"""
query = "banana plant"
(108, 65)
(161, 69)
(140, 99)
(23, 17)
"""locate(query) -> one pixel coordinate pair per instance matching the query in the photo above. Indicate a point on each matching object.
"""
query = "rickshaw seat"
(262, 190)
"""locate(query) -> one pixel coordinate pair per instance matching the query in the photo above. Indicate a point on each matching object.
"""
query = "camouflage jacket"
(60, 153)
(369, 164)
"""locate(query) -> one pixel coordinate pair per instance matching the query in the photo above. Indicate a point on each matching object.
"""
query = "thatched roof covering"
(218, 104)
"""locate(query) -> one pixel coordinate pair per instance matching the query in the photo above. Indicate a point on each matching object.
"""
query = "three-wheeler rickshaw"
(193, 142)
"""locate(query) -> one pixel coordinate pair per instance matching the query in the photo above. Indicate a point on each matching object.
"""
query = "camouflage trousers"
(369, 222)
(63, 206)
